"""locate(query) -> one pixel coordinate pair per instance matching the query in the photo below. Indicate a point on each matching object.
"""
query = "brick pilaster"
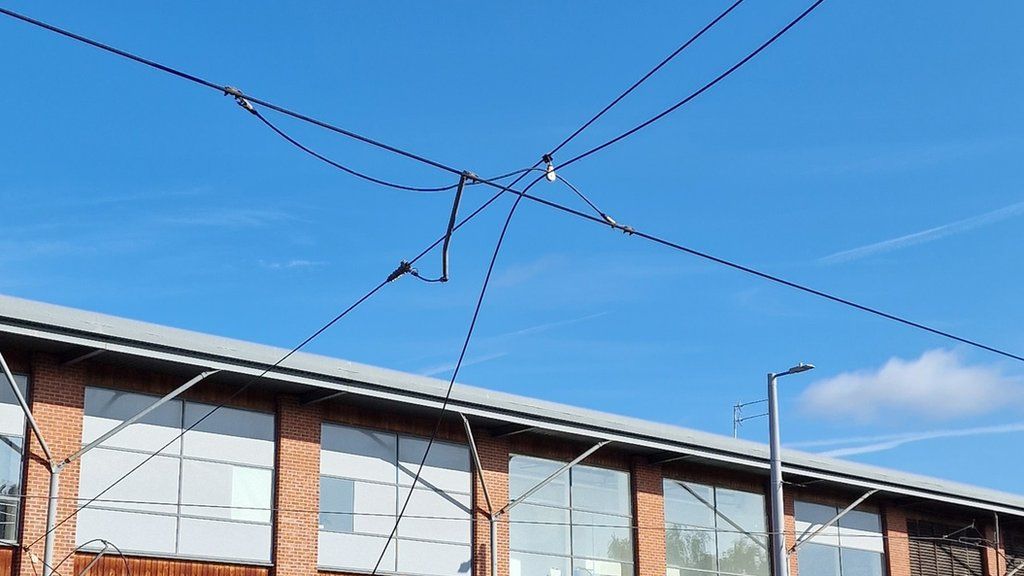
(789, 510)
(494, 453)
(297, 490)
(995, 563)
(897, 546)
(649, 516)
(57, 396)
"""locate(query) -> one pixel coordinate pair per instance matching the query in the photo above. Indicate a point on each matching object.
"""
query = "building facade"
(304, 470)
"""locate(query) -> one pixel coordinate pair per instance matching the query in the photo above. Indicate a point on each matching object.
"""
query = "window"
(206, 495)
(933, 554)
(579, 524)
(12, 441)
(365, 478)
(853, 546)
(699, 541)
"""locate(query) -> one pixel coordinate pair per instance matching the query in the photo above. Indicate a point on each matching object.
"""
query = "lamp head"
(801, 367)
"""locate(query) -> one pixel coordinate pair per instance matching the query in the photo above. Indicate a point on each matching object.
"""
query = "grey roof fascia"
(70, 326)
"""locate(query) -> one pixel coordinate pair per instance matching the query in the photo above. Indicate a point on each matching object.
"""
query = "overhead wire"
(403, 268)
(646, 76)
(697, 93)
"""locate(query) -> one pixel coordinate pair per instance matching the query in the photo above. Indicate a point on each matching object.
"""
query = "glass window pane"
(354, 551)
(132, 532)
(229, 435)
(600, 536)
(433, 559)
(523, 564)
(221, 539)
(742, 554)
(337, 504)
(685, 510)
(588, 567)
(359, 454)
(809, 517)
(12, 418)
(155, 481)
(105, 409)
(423, 517)
(375, 508)
(818, 560)
(226, 491)
(600, 490)
(447, 466)
(10, 465)
(744, 508)
(861, 530)
(540, 529)
(861, 563)
(526, 472)
(8, 519)
(690, 548)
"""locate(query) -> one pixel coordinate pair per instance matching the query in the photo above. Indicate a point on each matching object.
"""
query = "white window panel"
(524, 564)
(525, 472)
(229, 540)
(130, 531)
(600, 490)
(229, 435)
(422, 517)
(359, 454)
(232, 492)
(354, 551)
(540, 529)
(446, 468)
(11, 451)
(375, 508)
(434, 559)
(106, 409)
(155, 481)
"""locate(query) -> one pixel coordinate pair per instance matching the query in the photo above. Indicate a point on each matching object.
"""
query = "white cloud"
(292, 264)
(871, 444)
(938, 385)
(925, 236)
(448, 367)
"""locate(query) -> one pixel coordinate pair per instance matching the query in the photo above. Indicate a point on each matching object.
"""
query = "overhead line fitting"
(240, 98)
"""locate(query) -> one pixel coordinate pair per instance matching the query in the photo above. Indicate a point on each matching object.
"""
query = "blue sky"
(873, 152)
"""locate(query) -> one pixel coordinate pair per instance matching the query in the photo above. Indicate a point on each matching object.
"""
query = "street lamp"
(778, 514)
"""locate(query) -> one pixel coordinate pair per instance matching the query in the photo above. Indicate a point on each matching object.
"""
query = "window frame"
(22, 467)
(716, 531)
(183, 510)
(836, 531)
(400, 490)
(570, 510)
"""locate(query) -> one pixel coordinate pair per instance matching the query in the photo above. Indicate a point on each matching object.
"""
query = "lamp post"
(778, 514)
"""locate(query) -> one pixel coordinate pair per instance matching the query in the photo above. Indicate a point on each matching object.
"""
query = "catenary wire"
(80, 547)
(645, 77)
(458, 366)
(700, 91)
(402, 268)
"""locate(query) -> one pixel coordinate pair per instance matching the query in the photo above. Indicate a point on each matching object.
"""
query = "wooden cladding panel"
(113, 565)
(934, 553)
(6, 561)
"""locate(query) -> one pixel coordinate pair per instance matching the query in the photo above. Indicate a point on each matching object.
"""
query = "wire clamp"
(403, 269)
(239, 98)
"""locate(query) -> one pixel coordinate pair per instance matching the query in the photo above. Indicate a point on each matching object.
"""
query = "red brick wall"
(298, 488)
(897, 546)
(649, 516)
(494, 454)
(57, 396)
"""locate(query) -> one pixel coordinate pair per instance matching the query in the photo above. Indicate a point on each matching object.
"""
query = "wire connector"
(403, 269)
(239, 98)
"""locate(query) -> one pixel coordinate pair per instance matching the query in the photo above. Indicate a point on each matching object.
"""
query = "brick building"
(303, 471)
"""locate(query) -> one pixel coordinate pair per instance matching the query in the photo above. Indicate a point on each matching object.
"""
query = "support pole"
(88, 567)
(778, 512)
(24, 408)
(51, 520)
(494, 545)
